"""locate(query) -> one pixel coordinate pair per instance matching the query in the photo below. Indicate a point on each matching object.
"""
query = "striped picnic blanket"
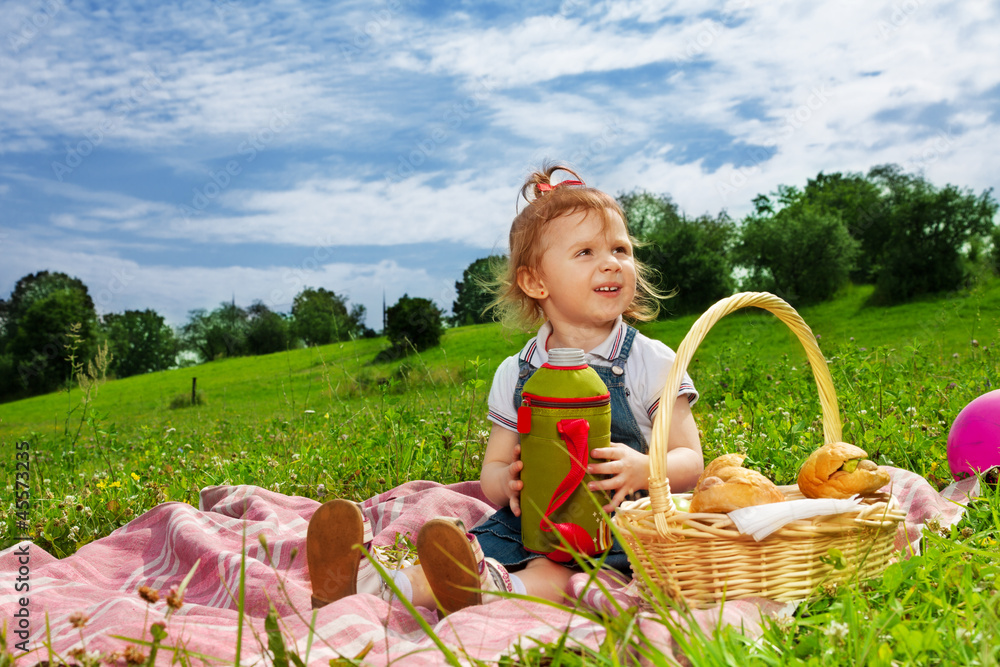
(157, 550)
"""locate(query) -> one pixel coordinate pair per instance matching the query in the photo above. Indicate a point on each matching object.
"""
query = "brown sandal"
(335, 529)
(451, 560)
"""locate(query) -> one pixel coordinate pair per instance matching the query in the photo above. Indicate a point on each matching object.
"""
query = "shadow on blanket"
(159, 548)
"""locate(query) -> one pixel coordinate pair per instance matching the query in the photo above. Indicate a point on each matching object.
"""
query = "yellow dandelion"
(135, 477)
(115, 484)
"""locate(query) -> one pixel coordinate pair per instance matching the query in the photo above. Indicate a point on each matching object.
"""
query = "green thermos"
(565, 412)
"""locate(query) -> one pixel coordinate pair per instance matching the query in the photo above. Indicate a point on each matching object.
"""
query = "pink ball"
(974, 438)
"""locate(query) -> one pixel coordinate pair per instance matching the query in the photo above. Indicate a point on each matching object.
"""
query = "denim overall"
(500, 535)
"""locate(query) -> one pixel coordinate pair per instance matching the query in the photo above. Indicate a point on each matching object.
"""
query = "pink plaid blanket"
(162, 546)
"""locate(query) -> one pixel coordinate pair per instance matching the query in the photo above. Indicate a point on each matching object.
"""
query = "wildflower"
(852, 339)
(135, 477)
(321, 490)
(148, 594)
(967, 532)
(310, 412)
(836, 629)
(174, 598)
(326, 415)
(975, 343)
(295, 457)
(78, 619)
(133, 655)
(911, 410)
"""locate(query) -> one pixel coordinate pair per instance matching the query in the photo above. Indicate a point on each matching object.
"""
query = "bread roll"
(726, 486)
(718, 463)
(840, 470)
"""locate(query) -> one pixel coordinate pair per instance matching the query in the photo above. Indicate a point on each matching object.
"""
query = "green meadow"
(326, 421)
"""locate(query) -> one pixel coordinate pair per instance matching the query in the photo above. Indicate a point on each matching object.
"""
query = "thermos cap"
(567, 356)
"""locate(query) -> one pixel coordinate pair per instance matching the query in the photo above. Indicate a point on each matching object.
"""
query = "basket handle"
(659, 486)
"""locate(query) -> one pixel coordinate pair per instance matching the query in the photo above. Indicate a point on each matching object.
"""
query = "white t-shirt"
(646, 371)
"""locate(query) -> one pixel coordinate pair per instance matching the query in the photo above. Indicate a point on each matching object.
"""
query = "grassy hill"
(340, 376)
(324, 422)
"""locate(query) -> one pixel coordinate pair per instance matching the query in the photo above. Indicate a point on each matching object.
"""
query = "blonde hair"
(546, 202)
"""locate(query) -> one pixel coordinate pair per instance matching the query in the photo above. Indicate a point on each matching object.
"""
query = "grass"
(324, 422)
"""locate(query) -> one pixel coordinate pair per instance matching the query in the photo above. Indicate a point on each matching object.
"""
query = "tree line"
(36, 353)
(892, 229)
(888, 228)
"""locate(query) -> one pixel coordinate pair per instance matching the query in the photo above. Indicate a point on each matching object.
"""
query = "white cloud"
(116, 284)
(620, 89)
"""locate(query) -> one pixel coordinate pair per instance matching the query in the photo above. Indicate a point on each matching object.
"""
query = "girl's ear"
(531, 283)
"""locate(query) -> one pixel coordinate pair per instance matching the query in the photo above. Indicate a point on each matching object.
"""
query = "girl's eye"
(622, 250)
(584, 252)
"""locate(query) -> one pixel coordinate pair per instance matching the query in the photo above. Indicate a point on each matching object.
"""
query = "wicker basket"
(703, 557)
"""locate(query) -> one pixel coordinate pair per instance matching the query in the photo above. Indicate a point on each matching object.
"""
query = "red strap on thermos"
(574, 432)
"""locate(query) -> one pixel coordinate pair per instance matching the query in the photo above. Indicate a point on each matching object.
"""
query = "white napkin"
(762, 520)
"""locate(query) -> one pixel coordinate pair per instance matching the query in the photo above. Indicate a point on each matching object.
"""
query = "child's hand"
(514, 483)
(627, 470)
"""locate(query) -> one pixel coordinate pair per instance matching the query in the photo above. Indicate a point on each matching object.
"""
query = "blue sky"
(175, 155)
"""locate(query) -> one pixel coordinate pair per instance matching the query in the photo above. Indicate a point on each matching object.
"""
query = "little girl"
(571, 264)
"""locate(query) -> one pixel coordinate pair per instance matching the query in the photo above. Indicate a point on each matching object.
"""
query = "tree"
(29, 289)
(923, 234)
(689, 256)
(414, 321)
(40, 348)
(794, 249)
(321, 317)
(859, 204)
(221, 333)
(140, 341)
(268, 330)
(34, 323)
(473, 292)
(995, 252)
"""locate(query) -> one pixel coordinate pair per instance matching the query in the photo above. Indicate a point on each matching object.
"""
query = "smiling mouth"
(607, 289)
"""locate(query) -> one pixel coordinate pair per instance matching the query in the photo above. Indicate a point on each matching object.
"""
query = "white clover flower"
(911, 410)
(295, 457)
(836, 629)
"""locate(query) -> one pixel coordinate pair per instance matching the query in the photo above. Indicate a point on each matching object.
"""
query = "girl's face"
(586, 277)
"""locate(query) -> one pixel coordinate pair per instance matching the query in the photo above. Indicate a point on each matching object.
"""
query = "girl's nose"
(611, 262)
